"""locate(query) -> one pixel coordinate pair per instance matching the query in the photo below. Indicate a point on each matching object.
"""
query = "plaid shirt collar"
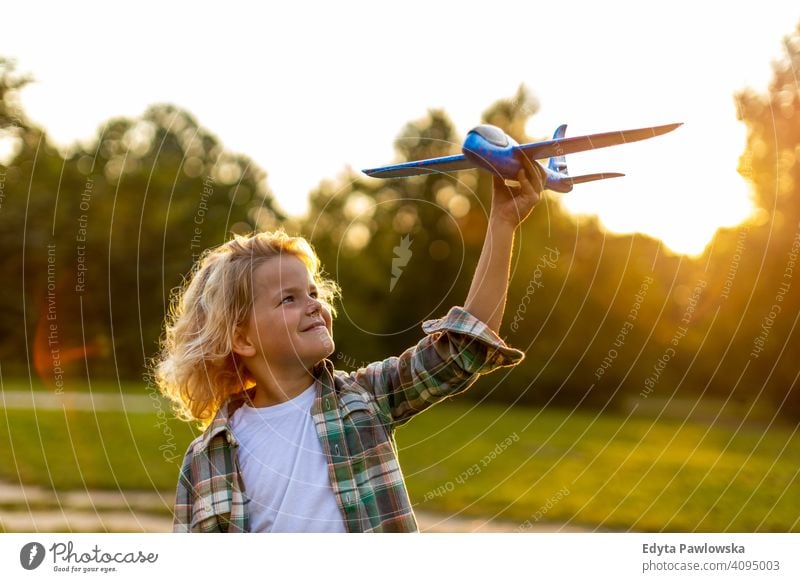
(323, 374)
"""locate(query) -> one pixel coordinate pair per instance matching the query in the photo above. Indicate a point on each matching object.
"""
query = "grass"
(82, 449)
(607, 472)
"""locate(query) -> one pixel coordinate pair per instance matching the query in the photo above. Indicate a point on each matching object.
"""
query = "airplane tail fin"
(559, 163)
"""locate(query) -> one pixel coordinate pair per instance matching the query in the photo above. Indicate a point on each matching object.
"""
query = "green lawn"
(603, 471)
(522, 464)
(82, 449)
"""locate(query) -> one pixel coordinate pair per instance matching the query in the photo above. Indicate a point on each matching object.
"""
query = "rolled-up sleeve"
(456, 350)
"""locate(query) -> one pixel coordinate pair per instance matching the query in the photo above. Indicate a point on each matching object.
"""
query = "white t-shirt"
(284, 468)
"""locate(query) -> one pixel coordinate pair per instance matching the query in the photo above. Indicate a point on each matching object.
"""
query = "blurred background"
(657, 311)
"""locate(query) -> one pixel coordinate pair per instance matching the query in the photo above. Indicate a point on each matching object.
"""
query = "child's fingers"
(499, 183)
(527, 188)
(533, 171)
(527, 163)
(525, 182)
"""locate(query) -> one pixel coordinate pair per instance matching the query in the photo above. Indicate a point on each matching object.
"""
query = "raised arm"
(486, 299)
(464, 344)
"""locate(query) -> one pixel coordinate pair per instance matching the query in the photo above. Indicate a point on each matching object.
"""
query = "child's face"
(288, 325)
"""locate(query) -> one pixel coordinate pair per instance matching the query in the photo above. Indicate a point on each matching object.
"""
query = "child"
(291, 444)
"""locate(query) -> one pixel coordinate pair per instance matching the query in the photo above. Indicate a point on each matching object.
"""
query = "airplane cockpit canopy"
(492, 134)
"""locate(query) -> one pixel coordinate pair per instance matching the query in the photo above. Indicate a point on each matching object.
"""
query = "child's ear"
(242, 344)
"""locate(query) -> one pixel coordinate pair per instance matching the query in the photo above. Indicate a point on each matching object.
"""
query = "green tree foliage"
(26, 220)
(755, 266)
(95, 239)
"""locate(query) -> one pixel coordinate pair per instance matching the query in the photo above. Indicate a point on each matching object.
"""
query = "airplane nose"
(490, 148)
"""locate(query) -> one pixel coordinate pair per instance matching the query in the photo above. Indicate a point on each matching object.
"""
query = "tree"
(757, 267)
(97, 238)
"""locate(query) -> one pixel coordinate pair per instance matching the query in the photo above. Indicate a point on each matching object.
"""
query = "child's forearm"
(486, 299)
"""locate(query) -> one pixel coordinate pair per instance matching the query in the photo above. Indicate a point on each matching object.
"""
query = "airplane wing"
(430, 166)
(570, 145)
(592, 177)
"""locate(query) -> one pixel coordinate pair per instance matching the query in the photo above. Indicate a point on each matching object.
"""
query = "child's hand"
(513, 205)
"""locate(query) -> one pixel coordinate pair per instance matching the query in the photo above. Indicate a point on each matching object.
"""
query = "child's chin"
(323, 353)
(325, 341)
(330, 348)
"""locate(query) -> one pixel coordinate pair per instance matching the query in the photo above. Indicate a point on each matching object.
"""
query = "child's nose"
(314, 305)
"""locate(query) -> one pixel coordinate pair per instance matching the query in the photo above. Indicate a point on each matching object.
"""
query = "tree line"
(96, 239)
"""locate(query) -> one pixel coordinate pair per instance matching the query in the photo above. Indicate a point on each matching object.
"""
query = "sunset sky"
(306, 89)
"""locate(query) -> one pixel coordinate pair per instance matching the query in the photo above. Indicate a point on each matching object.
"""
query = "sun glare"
(677, 187)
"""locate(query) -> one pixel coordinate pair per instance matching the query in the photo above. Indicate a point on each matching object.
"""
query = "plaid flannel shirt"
(355, 415)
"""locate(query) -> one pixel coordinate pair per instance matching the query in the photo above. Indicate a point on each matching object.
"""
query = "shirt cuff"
(469, 334)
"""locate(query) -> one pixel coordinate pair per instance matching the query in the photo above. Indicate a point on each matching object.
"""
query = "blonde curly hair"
(196, 368)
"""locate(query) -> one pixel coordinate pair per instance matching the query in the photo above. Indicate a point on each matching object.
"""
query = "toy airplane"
(490, 148)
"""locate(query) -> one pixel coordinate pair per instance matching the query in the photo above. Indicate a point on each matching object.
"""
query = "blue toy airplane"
(490, 148)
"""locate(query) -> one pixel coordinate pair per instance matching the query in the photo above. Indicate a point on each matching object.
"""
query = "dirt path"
(100, 401)
(36, 509)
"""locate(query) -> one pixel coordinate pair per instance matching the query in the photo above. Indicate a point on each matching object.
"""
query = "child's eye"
(287, 299)
(314, 294)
